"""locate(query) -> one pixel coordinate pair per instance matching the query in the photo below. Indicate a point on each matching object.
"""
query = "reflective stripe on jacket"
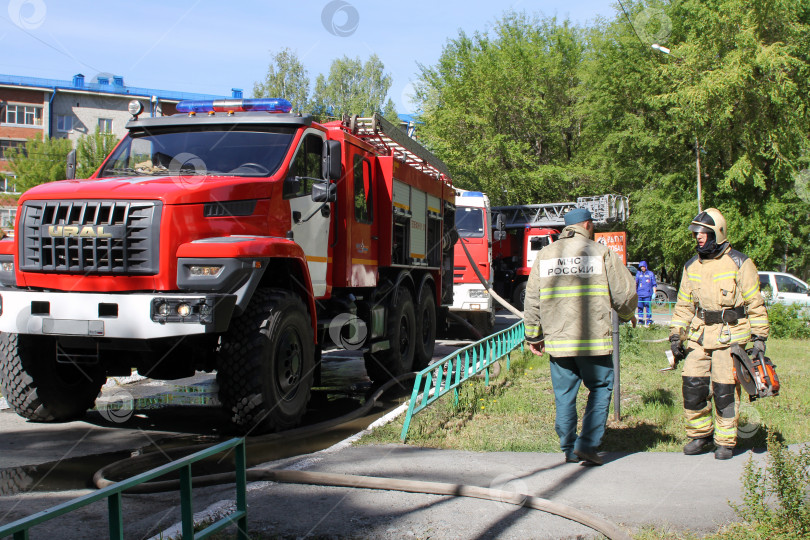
(728, 281)
(572, 287)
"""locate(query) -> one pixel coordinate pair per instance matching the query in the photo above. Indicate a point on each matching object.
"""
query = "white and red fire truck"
(471, 300)
(232, 236)
(532, 227)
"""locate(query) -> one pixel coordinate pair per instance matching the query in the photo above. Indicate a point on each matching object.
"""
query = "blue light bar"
(472, 194)
(275, 105)
(195, 106)
(267, 104)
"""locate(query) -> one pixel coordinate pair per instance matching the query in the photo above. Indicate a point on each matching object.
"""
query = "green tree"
(736, 82)
(501, 110)
(286, 78)
(353, 87)
(39, 162)
(91, 150)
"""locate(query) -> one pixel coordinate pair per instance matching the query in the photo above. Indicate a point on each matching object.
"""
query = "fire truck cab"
(473, 251)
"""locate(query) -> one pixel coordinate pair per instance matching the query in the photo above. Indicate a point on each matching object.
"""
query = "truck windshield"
(470, 222)
(213, 151)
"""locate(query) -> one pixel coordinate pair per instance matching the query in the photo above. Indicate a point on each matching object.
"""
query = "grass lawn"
(516, 411)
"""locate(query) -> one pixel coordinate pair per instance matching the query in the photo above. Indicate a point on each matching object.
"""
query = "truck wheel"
(38, 387)
(400, 328)
(660, 298)
(425, 328)
(265, 363)
(519, 298)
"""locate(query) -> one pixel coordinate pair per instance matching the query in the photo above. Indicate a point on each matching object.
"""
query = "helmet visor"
(696, 227)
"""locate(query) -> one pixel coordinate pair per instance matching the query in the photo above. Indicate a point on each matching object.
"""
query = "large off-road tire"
(13, 481)
(400, 327)
(265, 365)
(38, 387)
(519, 296)
(425, 328)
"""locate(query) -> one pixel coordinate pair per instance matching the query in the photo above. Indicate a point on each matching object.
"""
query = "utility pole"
(697, 164)
(665, 50)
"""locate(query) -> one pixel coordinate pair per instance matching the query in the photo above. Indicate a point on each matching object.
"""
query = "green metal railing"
(113, 493)
(451, 371)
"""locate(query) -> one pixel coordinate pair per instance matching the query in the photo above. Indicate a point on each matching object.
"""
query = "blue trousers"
(566, 375)
(644, 302)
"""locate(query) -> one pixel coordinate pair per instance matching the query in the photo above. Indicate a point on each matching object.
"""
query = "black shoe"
(570, 457)
(589, 457)
(723, 452)
(697, 446)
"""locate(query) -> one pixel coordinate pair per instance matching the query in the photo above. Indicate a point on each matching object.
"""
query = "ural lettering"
(88, 231)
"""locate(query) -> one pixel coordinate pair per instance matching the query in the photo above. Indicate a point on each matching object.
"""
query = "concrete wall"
(86, 109)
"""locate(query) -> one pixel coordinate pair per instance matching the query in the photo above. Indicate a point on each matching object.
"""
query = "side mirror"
(330, 160)
(500, 222)
(324, 192)
(70, 168)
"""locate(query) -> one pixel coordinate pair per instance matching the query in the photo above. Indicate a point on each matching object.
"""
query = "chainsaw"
(755, 373)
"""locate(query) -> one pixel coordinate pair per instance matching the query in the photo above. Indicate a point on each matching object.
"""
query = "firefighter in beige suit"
(719, 304)
(572, 287)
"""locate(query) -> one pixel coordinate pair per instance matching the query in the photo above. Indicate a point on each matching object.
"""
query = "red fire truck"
(532, 227)
(232, 236)
(471, 300)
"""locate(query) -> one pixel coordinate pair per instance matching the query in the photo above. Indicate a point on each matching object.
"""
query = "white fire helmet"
(710, 220)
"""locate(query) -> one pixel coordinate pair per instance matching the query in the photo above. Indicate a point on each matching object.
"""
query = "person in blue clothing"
(645, 288)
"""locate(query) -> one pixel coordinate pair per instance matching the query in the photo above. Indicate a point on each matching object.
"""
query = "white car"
(784, 288)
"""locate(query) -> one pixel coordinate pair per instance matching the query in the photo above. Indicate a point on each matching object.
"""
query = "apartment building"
(32, 107)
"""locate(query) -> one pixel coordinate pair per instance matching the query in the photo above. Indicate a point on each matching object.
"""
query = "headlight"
(183, 310)
(7, 276)
(199, 270)
(478, 293)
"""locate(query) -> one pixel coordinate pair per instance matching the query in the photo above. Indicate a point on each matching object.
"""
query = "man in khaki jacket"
(572, 287)
(719, 304)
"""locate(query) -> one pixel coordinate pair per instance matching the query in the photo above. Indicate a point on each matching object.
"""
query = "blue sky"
(209, 46)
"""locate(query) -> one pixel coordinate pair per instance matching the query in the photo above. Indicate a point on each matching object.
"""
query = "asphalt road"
(40, 465)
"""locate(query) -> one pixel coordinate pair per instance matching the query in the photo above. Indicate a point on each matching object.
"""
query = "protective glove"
(758, 344)
(677, 349)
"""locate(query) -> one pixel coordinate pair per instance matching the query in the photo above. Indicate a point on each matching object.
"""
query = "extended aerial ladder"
(605, 209)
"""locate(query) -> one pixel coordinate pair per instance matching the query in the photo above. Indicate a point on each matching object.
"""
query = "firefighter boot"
(723, 452)
(697, 446)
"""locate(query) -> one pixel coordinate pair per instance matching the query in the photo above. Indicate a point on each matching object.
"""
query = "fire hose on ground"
(137, 464)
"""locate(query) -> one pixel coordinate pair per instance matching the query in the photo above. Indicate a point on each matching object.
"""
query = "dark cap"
(577, 215)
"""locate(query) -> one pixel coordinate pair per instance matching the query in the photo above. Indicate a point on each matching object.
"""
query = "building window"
(26, 115)
(105, 125)
(64, 123)
(5, 146)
